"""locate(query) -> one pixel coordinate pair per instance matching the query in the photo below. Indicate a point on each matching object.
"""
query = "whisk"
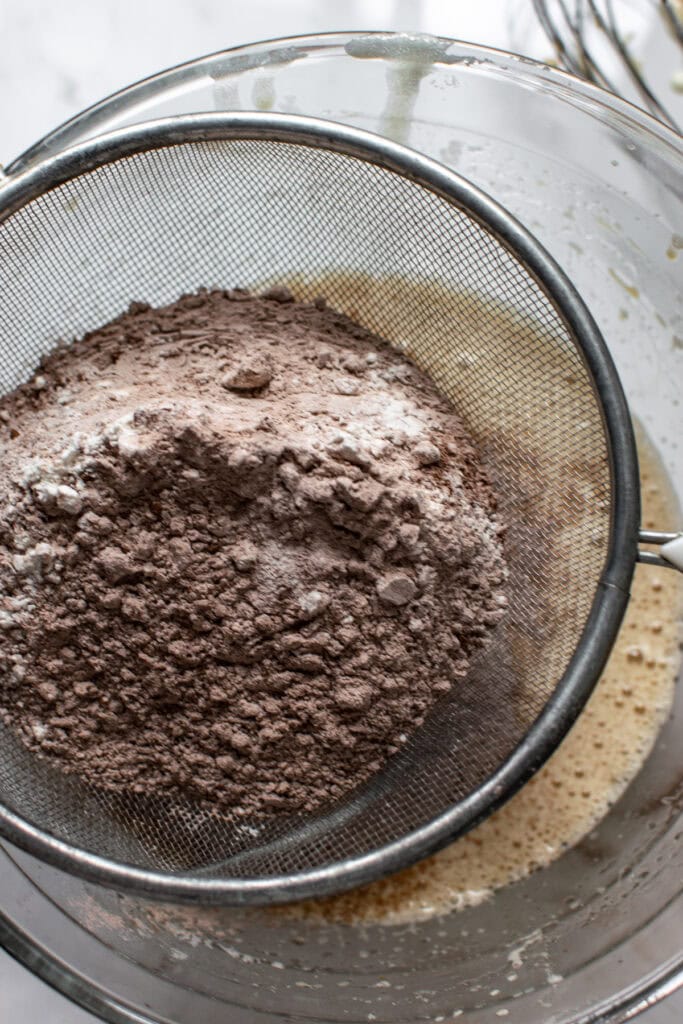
(592, 36)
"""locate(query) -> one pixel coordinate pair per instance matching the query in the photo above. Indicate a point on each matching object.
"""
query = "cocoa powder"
(245, 546)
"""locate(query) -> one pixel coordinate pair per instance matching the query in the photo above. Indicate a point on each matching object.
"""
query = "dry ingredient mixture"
(244, 547)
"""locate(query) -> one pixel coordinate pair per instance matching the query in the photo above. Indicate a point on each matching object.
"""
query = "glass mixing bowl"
(598, 935)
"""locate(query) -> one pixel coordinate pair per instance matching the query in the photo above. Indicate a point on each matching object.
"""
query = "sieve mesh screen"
(430, 278)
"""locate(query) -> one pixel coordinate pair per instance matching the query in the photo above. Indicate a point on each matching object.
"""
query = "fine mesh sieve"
(418, 255)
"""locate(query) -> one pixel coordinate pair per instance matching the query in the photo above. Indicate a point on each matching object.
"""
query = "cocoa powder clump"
(245, 545)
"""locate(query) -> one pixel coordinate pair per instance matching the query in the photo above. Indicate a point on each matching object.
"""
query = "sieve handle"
(670, 553)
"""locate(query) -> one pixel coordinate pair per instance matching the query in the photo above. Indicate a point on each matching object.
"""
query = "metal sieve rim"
(611, 594)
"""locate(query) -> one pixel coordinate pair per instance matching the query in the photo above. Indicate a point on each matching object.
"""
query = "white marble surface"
(57, 58)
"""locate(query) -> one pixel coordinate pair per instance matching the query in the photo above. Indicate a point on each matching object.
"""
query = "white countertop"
(57, 58)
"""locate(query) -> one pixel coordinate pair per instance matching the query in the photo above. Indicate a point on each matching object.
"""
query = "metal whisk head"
(420, 256)
(593, 40)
